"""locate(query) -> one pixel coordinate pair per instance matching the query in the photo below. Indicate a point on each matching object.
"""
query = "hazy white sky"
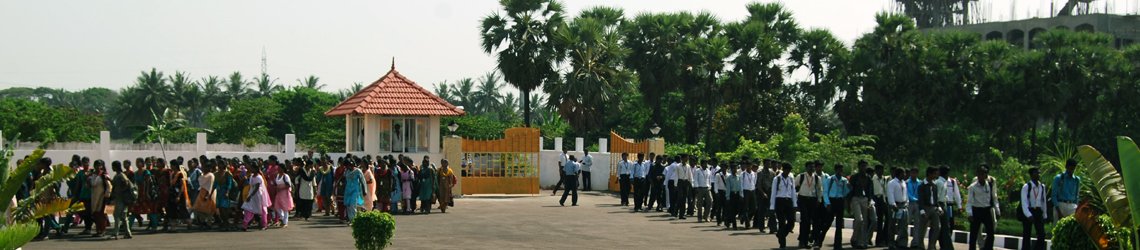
(80, 44)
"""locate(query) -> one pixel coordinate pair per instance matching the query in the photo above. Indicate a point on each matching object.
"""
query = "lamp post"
(655, 129)
(452, 127)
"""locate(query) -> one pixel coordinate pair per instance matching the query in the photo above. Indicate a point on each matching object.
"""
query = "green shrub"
(373, 230)
(1068, 234)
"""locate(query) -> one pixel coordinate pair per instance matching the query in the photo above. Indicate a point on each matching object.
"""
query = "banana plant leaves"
(1130, 167)
(1110, 185)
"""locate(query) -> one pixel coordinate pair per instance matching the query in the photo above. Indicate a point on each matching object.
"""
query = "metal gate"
(619, 145)
(504, 166)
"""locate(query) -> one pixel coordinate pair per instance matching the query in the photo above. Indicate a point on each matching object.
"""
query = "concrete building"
(1125, 29)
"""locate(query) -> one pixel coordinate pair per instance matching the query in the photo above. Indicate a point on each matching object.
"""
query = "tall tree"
(312, 82)
(266, 86)
(150, 94)
(522, 39)
(757, 80)
(825, 58)
(592, 42)
(237, 88)
(654, 41)
(487, 98)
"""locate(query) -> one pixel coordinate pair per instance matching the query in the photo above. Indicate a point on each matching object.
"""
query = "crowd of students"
(765, 195)
(227, 194)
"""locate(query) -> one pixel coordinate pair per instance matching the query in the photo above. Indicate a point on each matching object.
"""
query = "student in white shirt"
(717, 177)
(897, 201)
(684, 174)
(640, 186)
(982, 208)
(562, 158)
(784, 203)
(1033, 207)
(701, 191)
(748, 184)
(625, 173)
(587, 165)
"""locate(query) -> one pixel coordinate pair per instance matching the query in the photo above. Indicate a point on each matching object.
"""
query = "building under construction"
(975, 16)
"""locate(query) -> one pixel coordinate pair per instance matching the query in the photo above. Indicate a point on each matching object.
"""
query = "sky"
(107, 43)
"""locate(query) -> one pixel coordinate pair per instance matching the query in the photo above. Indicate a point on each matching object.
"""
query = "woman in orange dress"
(446, 182)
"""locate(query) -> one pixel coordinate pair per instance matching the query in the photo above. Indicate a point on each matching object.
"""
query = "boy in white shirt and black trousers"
(783, 201)
(898, 201)
(1033, 209)
(684, 173)
(808, 191)
(625, 171)
(982, 208)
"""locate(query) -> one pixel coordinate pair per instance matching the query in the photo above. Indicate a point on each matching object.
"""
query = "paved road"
(484, 222)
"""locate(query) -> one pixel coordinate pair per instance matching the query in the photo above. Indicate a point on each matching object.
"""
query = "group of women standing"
(227, 194)
(389, 184)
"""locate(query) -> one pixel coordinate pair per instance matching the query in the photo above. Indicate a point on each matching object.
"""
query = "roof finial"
(393, 63)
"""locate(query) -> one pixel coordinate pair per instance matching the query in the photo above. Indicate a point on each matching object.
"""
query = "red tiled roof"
(394, 94)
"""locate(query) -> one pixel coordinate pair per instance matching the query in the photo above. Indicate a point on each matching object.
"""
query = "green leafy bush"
(1068, 234)
(373, 230)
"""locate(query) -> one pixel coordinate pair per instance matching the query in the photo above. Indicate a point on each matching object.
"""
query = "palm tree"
(149, 93)
(188, 97)
(211, 92)
(593, 45)
(464, 95)
(487, 97)
(825, 57)
(266, 86)
(346, 93)
(311, 82)
(443, 91)
(522, 41)
(236, 88)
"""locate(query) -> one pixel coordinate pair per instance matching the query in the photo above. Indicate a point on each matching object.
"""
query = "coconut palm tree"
(463, 92)
(522, 40)
(311, 82)
(266, 86)
(487, 98)
(149, 94)
(236, 88)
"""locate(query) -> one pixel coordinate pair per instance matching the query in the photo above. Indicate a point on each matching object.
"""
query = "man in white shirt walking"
(701, 191)
(748, 184)
(625, 172)
(640, 184)
(982, 208)
(808, 191)
(783, 201)
(684, 174)
(897, 201)
(587, 166)
(1033, 207)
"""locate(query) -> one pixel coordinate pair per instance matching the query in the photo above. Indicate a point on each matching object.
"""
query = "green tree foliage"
(27, 120)
(586, 92)
(246, 120)
(522, 40)
(302, 113)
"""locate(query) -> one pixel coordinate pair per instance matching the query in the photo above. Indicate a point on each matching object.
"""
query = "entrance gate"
(503, 166)
(619, 145)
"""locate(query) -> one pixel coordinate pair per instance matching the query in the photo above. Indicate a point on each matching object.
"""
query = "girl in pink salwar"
(407, 178)
(283, 201)
(370, 186)
(258, 200)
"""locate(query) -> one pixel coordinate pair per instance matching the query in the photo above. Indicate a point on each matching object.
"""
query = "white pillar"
(290, 146)
(603, 145)
(579, 144)
(558, 144)
(540, 142)
(105, 145)
(200, 146)
(347, 133)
